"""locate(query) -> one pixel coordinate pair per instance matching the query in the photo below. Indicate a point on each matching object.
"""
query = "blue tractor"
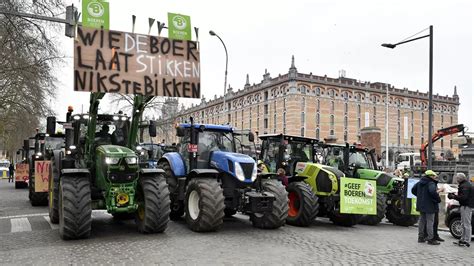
(208, 180)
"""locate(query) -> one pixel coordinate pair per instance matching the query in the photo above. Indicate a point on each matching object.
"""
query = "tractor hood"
(115, 151)
(383, 179)
(241, 166)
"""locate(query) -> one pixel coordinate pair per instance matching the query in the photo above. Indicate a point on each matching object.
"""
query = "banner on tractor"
(358, 196)
(22, 172)
(411, 183)
(95, 14)
(42, 175)
(128, 63)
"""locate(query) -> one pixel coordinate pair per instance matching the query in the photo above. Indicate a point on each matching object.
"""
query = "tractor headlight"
(139, 148)
(239, 172)
(111, 160)
(131, 160)
(39, 154)
(254, 173)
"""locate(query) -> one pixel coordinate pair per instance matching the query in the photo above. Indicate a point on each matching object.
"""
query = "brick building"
(320, 106)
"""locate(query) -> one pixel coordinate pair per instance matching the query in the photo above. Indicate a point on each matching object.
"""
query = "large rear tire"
(303, 204)
(53, 193)
(204, 205)
(277, 217)
(177, 208)
(75, 211)
(395, 216)
(37, 198)
(153, 199)
(381, 208)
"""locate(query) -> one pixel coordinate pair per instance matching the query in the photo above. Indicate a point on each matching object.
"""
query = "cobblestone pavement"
(36, 241)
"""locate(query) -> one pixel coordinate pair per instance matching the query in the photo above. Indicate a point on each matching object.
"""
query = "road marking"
(53, 226)
(20, 225)
(23, 215)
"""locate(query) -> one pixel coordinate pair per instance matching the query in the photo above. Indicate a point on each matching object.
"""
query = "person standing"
(465, 197)
(11, 171)
(427, 203)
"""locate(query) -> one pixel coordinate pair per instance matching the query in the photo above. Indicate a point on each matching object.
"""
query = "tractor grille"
(383, 179)
(323, 182)
(248, 169)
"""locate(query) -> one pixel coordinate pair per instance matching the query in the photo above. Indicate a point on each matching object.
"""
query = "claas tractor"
(313, 188)
(209, 179)
(45, 145)
(358, 162)
(100, 170)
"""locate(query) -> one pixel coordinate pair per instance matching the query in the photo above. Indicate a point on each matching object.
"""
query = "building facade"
(320, 106)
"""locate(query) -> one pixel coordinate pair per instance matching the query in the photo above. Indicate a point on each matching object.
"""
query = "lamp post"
(430, 93)
(212, 33)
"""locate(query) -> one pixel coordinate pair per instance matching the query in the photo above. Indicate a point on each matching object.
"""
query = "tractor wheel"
(37, 198)
(279, 213)
(344, 219)
(204, 205)
(395, 216)
(381, 208)
(229, 212)
(303, 204)
(123, 216)
(455, 227)
(153, 200)
(177, 208)
(53, 193)
(75, 208)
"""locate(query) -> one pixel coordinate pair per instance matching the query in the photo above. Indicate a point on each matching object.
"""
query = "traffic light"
(71, 20)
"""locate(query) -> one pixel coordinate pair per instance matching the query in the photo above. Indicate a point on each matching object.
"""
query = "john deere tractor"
(313, 188)
(208, 180)
(46, 144)
(358, 162)
(100, 170)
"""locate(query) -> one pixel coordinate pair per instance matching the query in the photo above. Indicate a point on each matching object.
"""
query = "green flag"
(358, 196)
(179, 27)
(95, 14)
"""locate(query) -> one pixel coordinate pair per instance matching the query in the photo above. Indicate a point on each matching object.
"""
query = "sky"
(324, 36)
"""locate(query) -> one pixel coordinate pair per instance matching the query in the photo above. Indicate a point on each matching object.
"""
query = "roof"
(209, 127)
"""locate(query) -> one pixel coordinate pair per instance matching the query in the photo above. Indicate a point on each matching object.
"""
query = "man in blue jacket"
(465, 197)
(427, 203)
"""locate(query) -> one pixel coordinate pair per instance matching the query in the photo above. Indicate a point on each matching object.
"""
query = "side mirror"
(251, 137)
(51, 125)
(152, 128)
(180, 131)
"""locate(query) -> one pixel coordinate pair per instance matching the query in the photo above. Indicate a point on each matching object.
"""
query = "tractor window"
(334, 157)
(52, 143)
(210, 141)
(360, 159)
(270, 155)
(300, 152)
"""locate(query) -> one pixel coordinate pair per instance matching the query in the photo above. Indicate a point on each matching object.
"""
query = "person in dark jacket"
(11, 171)
(465, 197)
(427, 203)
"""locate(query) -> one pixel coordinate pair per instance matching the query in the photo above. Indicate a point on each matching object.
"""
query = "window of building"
(451, 119)
(302, 131)
(318, 119)
(345, 95)
(228, 118)
(284, 104)
(303, 105)
(302, 118)
(265, 109)
(265, 95)
(451, 143)
(332, 106)
(442, 120)
(274, 122)
(345, 122)
(331, 93)
(318, 91)
(398, 140)
(258, 123)
(442, 143)
(411, 141)
(345, 136)
(422, 140)
(358, 123)
(318, 105)
(358, 110)
(265, 123)
(332, 123)
(317, 133)
(346, 108)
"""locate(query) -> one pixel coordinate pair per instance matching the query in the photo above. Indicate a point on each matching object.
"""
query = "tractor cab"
(349, 159)
(285, 151)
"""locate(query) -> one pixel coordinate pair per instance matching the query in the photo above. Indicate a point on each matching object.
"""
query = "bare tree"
(28, 56)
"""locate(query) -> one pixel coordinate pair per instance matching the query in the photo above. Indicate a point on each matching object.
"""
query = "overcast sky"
(324, 37)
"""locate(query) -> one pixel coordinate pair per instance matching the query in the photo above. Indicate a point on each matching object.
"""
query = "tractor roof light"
(124, 118)
(85, 116)
(76, 117)
(115, 118)
(72, 147)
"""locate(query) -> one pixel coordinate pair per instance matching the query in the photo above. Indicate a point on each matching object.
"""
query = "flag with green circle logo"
(358, 196)
(95, 14)
(179, 27)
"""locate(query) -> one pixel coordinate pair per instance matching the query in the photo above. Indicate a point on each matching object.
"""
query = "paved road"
(27, 237)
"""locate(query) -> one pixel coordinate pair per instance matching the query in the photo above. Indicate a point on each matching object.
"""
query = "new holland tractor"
(45, 145)
(100, 170)
(313, 188)
(208, 180)
(358, 162)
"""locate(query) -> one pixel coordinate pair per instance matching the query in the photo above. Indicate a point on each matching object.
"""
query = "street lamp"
(430, 93)
(212, 33)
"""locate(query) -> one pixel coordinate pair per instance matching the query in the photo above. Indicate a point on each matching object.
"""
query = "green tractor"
(313, 188)
(358, 162)
(100, 170)
(45, 145)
